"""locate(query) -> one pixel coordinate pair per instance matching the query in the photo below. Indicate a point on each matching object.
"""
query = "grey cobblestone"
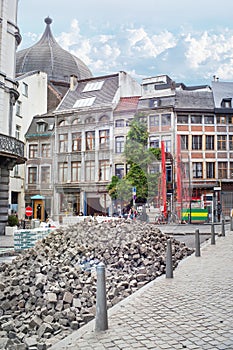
(191, 311)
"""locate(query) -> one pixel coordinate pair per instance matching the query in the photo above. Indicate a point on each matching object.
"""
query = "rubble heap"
(50, 290)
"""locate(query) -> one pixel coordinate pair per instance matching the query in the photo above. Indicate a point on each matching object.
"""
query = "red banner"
(164, 182)
(178, 171)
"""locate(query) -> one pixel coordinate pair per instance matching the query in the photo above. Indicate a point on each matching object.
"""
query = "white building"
(32, 101)
(11, 149)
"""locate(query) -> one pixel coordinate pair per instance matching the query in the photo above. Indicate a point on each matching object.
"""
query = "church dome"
(49, 57)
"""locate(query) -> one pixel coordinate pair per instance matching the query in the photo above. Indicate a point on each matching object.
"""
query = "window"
(76, 121)
(18, 106)
(90, 120)
(90, 140)
(17, 132)
(169, 173)
(209, 139)
(154, 142)
(154, 120)
(90, 170)
(45, 150)
(231, 170)
(45, 174)
(119, 171)
(222, 170)
(16, 170)
(197, 170)
(119, 123)
(166, 119)
(63, 143)
(154, 168)
(97, 85)
(84, 102)
(25, 89)
(104, 119)
(196, 119)
(33, 151)
(129, 121)
(222, 142)
(62, 171)
(167, 144)
(104, 139)
(230, 142)
(77, 141)
(184, 142)
(119, 144)
(221, 119)
(32, 175)
(226, 103)
(40, 127)
(182, 119)
(75, 171)
(104, 170)
(209, 119)
(197, 142)
(62, 123)
(210, 170)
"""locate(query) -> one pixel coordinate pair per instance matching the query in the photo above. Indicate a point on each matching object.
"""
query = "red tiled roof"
(127, 103)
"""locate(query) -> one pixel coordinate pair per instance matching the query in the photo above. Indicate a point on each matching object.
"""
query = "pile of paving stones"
(50, 290)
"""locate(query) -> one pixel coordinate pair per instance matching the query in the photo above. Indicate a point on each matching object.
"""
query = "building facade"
(11, 149)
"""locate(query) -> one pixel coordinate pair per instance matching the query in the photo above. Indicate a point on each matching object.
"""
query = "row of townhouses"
(75, 125)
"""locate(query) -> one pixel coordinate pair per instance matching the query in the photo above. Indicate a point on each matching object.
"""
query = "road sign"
(28, 211)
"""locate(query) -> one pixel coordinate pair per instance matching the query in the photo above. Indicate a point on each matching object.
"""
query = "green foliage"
(139, 157)
(13, 220)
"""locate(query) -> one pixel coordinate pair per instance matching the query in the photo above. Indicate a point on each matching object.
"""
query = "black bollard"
(169, 265)
(101, 320)
(223, 227)
(197, 243)
(212, 234)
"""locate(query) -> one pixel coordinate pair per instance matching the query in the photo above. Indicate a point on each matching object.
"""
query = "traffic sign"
(28, 211)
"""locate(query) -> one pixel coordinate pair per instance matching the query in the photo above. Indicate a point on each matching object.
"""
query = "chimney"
(73, 82)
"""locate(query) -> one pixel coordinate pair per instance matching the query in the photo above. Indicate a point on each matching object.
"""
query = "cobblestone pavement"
(192, 310)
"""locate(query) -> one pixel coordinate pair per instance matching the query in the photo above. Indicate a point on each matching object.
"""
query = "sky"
(190, 41)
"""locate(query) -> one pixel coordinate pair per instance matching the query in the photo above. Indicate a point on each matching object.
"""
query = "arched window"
(90, 120)
(76, 121)
(104, 119)
(62, 122)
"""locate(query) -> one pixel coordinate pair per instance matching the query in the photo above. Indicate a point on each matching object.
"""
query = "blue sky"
(188, 40)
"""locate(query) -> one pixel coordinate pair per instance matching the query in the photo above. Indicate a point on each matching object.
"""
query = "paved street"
(193, 310)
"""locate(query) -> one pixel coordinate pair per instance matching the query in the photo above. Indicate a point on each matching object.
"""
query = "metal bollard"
(231, 223)
(101, 320)
(197, 243)
(223, 227)
(212, 234)
(169, 265)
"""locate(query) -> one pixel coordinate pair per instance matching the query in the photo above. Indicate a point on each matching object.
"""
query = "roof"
(194, 100)
(94, 92)
(49, 57)
(127, 104)
(221, 90)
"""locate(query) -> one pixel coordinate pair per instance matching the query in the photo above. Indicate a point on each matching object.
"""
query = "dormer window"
(41, 125)
(226, 103)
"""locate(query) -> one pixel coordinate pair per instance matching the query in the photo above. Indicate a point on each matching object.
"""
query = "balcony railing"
(12, 146)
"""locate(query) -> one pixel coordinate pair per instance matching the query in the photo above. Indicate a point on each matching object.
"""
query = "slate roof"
(221, 90)
(49, 57)
(194, 100)
(49, 130)
(104, 96)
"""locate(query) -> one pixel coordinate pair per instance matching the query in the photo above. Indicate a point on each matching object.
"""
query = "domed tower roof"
(49, 57)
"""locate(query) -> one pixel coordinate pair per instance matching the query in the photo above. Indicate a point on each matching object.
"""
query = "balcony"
(11, 151)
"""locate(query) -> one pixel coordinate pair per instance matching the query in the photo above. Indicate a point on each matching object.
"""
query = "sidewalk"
(193, 310)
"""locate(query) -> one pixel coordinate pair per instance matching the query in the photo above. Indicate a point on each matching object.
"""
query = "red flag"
(178, 171)
(164, 183)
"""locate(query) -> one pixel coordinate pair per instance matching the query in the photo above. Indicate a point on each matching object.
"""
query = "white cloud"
(144, 45)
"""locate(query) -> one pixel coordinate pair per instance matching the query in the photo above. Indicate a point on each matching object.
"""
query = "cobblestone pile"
(50, 290)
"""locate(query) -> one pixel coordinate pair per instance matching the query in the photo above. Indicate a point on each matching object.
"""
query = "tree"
(140, 158)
